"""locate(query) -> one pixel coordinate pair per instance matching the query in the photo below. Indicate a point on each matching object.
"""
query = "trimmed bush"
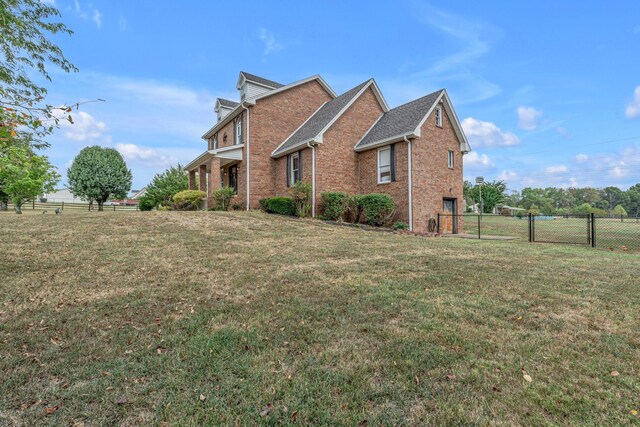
(399, 225)
(334, 204)
(278, 205)
(353, 209)
(301, 195)
(188, 200)
(222, 197)
(377, 209)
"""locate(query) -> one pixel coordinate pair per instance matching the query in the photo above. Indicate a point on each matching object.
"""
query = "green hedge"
(188, 199)
(334, 204)
(376, 209)
(278, 205)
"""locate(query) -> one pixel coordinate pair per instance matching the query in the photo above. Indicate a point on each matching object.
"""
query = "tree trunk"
(4, 205)
(100, 204)
(18, 208)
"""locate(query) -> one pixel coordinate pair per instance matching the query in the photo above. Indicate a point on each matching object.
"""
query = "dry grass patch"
(127, 318)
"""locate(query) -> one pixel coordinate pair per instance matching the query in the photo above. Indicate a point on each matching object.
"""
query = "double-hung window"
(384, 165)
(238, 131)
(450, 159)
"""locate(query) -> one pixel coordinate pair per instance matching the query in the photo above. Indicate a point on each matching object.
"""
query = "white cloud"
(508, 176)
(97, 18)
(528, 117)
(581, 158)
(84, 128)
(633, 108)
(269, 39)
(564, 132)
(618, 171)
(145, 155)
(480, 160)
(487, 134)
(555, 169)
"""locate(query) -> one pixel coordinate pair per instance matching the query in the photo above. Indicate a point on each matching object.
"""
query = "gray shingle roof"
(321, 118)
(228, 104)
(261, 80)
(400, 120)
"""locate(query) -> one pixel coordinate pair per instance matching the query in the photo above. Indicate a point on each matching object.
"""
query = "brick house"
(278, 134)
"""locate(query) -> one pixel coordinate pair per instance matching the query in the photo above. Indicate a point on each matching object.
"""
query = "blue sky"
(548, 92)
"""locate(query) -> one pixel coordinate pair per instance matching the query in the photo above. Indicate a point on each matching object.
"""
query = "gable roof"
(257, 79)
(320, 121)
(226, 103)
(239, 107)
(406, 121)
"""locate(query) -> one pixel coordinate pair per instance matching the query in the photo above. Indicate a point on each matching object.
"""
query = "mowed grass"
(206, 318)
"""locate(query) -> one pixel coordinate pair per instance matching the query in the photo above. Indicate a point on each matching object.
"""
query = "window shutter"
(300, 165)
(288, 170)
(393, 161)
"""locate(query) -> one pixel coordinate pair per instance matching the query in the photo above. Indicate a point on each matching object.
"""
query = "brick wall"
(336, 160)
(272, 120)
(432, 179)
(398, 189)
(281, 171)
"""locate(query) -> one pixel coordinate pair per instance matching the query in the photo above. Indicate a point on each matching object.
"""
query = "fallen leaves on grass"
(121, 400)
(294, 416)
(265, 411)
(527, 378)
(615, 373)
(51, 410)
(203, 398)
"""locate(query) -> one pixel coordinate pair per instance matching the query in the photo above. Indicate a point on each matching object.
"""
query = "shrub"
(222, 197)
(334, 204)
(399, 225)
(301, 196)
(236, 207)
(376, 209)
(164, 208)
(353, 211)
(278, 205)
(619, 210)
(188, 200)
(146, 203)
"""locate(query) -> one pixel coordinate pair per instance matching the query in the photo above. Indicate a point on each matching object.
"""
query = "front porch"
(214, 169)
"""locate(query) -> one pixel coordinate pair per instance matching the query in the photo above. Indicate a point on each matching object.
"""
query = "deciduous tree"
(98, 173)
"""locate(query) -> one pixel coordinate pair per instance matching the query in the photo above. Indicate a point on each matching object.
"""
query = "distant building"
(61, 195)
(137, 194)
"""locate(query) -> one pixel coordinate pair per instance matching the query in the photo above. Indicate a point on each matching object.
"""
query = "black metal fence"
(611, 233)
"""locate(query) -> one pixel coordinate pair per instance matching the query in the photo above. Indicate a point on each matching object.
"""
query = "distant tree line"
(608, 201)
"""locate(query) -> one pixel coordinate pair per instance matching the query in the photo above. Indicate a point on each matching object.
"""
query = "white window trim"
(292, 170)
(439, 117)
(214, 142)
(379, 167)
(238, 133)
(450, 159)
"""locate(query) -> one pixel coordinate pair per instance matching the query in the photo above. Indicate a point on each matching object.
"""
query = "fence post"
(593, 230)
(479, 226)
(114, 208)
(62, 208)
(33, 204)
(438, 224)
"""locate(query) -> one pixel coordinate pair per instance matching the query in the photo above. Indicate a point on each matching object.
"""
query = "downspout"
(408, 141)
(248, 151)
(313, 178)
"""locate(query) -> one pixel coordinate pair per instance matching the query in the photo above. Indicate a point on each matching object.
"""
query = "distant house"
(61, 195)
(507, 210)
(303, 131)
(137, 194)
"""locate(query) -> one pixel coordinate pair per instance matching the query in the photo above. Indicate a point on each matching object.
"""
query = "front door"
(449, 220)
(233, 177)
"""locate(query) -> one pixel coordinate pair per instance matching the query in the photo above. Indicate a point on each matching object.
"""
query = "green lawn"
(206, 318)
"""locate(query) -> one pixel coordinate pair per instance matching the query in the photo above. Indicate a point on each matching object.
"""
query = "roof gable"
(225, 103)
(320, 121)
(406, 121)
(244, 76)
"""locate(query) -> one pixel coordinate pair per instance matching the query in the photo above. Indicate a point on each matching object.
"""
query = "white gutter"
(410, 183)
(248, 151)
(313, 179)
